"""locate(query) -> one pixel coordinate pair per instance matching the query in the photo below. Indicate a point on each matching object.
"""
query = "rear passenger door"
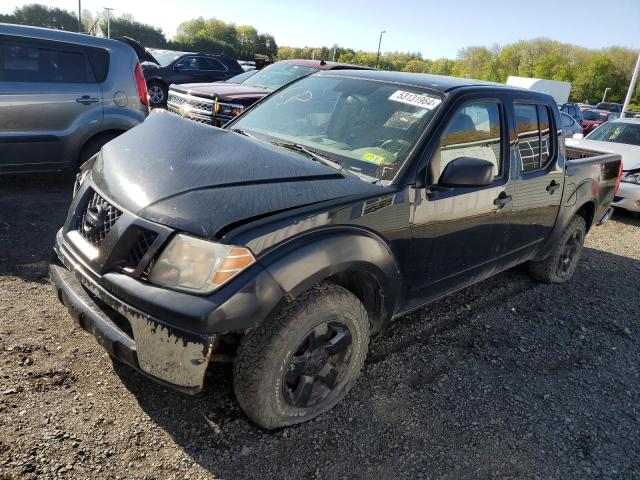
(48, 93)
(212, 69)
(538, 176)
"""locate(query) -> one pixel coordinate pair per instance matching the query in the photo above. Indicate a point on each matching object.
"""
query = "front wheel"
(560, 265)
(157, 94)
(301, 363)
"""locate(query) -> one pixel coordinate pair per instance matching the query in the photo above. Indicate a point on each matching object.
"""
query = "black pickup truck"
(288, 238)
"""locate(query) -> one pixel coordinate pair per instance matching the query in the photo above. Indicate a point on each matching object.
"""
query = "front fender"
(305, 261)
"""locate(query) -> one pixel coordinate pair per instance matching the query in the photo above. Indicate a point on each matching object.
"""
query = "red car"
(594, 118)
(217, 103)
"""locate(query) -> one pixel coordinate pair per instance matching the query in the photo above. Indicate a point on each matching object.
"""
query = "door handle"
(502, 200)
(553, 186)
(87, 100)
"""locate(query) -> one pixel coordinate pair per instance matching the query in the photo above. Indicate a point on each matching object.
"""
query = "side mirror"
(578, 136)
(467, 172)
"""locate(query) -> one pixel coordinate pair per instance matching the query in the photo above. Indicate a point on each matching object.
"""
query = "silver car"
(570, 125)
(62, 96)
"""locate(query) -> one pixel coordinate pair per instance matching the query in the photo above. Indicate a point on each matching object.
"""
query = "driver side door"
(460, 233)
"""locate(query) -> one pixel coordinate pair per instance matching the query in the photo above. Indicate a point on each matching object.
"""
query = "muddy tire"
(301, 363)
(560, 265)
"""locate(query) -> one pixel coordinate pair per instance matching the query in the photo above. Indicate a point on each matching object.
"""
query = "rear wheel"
(560, 265)
(300, 364)
(93, 146)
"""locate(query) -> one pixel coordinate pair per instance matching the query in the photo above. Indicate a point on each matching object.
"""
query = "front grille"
(140, 248)
(203, 105)
(109, 216)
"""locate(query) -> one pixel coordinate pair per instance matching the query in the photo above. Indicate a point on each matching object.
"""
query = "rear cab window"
(536, 144)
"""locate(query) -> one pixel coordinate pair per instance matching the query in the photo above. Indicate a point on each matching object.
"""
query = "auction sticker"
(415, 99)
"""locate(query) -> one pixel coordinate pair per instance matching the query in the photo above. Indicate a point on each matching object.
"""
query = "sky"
(436, 29)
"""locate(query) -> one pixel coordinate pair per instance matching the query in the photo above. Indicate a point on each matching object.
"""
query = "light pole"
(632, 87)
(606, 90)
(379, 43)
(108, 10)
(79, 16)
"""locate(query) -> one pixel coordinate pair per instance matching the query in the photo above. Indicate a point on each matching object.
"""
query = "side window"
(35, 63)
(566, 120)
(534, 135)
(475, 131)
(189, 63)
(211, 65)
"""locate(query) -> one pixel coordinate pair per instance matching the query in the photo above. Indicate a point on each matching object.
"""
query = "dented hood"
(204, 180)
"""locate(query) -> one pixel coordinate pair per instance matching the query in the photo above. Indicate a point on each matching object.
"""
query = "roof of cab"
(435, 82)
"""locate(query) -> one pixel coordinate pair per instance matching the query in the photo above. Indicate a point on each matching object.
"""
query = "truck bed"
(599, 169)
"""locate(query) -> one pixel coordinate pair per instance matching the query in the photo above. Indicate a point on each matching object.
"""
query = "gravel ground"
(508, 379)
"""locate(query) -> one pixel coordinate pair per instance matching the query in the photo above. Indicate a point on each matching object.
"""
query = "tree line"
(206, 35)
(589, 71)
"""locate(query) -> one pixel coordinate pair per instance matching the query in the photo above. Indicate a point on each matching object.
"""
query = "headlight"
(228, 110)
(200, 266)
(631, 178)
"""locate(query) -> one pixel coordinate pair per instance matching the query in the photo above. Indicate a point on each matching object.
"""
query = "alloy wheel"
(317, 365)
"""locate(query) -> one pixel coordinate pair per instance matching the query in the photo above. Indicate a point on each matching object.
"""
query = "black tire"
(560, 265)
(157, 92)
(266, 375)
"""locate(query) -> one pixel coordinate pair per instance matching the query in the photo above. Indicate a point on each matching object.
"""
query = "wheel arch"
(112, 132)
(355, 259)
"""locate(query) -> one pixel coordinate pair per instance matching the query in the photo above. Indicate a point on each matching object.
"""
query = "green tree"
(38, 15)
(147, 35)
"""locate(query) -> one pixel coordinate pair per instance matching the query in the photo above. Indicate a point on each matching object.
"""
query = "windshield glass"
(591, 115)
(617, 132)
(165, 57)
(368, 127)
(242, 77)
(276, 75)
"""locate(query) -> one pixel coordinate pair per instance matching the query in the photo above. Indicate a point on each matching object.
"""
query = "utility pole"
(334, 54)
(108, 10)
(632, 87)
(379, 43)
(79, 16)
(606, 90)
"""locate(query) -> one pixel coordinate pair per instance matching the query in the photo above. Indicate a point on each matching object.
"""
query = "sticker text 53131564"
(415, 99)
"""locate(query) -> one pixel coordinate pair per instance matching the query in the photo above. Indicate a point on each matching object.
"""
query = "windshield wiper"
(318, 157)
(245, 133)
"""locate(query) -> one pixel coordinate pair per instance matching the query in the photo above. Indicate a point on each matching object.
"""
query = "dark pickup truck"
(287, 239)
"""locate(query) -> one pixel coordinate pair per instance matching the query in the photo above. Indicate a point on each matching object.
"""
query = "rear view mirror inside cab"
(467, 172)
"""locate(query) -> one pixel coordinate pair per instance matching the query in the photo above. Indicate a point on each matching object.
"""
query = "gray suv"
(63, 96)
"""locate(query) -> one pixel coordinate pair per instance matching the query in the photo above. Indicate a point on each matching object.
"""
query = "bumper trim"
(175, 359)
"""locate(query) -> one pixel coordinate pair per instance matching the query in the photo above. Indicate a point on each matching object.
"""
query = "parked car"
(573, 110)
(63, 96)
(594, 118)
(304, 226)
(610, 107)
(184, 67)
(622, 137)
(217, 103)
(570, 126)
(242, 76)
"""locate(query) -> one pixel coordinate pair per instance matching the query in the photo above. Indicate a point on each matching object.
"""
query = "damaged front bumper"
(173, 357)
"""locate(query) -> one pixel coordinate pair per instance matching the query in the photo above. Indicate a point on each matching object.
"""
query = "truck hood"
(630, 153)
(222, 91)
(205, 180)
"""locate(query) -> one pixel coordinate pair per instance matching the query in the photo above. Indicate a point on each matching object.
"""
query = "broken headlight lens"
(199, 266)
(631, 178)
